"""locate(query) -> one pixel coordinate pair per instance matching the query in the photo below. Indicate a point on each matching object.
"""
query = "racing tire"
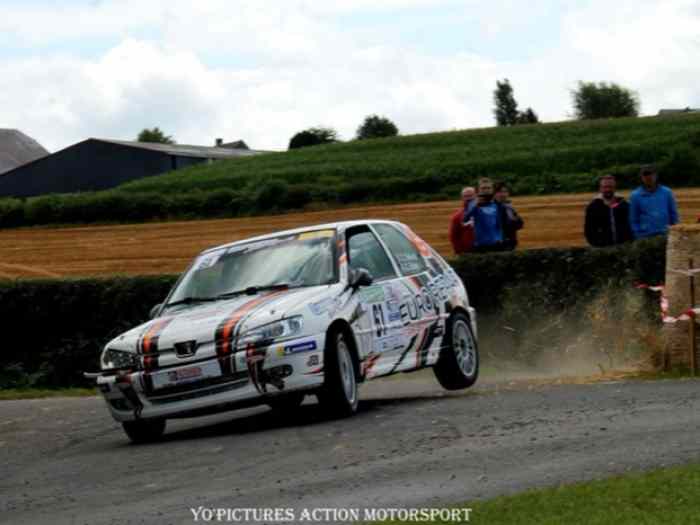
(338, 396)
(144, 430)
(285, 404)
(458, 364)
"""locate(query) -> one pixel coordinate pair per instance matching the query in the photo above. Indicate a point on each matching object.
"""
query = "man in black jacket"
(512, 222)
(607, 216)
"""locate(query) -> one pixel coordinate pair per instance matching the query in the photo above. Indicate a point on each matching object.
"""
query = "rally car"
(271, 319)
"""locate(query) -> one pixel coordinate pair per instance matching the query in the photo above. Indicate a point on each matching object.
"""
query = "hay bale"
(683, 245)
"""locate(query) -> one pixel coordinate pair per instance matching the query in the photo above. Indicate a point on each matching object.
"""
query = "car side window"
(406, 254)
(365, 251)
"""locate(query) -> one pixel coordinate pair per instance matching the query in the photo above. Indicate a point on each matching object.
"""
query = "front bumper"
(250, 378)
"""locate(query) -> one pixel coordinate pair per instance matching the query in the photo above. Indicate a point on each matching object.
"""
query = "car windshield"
(303, 259)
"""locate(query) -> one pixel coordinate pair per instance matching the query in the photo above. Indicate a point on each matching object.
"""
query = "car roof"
(326, 226)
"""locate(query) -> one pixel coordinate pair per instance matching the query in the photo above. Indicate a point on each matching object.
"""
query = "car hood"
(199, 322)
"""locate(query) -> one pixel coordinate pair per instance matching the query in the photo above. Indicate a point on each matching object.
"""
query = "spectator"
(652, 206)
(462, 237)
(607, 216)
(513, 221)
(488, 219)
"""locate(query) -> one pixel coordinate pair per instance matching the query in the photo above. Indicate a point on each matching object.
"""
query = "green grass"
(550, 156)
(8, 394)
(534, 159)
(663, 496)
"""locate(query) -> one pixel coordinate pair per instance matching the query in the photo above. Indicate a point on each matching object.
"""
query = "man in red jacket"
(461, 236)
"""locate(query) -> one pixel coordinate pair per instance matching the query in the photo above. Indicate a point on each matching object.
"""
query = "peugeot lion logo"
(185, 348)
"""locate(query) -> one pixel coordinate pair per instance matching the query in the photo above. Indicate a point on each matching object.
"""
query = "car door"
(380, 334)
(419, 310)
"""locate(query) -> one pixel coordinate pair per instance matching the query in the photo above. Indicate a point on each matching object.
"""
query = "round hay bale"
(683, 245)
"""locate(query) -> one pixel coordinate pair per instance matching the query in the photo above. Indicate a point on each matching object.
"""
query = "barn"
(16, 149)
(99, 164)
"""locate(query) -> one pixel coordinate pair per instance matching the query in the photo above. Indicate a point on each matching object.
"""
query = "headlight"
(117, 359)
(283, 329)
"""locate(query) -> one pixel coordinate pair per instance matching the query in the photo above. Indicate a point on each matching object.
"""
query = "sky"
(261, 70)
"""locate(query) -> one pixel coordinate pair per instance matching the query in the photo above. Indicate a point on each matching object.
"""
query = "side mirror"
(361, 277)
(154, 310)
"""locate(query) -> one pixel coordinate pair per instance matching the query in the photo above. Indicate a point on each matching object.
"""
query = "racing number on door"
(379, 319)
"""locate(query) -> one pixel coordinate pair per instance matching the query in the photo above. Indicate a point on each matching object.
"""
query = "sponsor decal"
(184, 373)
(318, 234)
(209, 260)
(298, 348)
(372, 294)
(323, 306)
(389, 343)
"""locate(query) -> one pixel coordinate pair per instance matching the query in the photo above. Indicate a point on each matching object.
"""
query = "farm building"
(16, 149)
(98, 164)
(666, 112)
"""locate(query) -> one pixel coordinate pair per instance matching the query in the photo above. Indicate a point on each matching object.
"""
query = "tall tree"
(604, 100)
(313, 137)
(154, 135)
(375, 126)
(506, 108)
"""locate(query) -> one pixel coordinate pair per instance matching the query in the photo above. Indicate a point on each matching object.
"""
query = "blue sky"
(262, 70)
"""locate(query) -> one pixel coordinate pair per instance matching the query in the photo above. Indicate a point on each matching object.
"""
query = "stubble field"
(167, 247)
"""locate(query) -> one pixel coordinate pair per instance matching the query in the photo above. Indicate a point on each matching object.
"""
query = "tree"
(506, 110)
(528, 117)
(375, 126)
(154, 135)
(313, 137)
(603, 100)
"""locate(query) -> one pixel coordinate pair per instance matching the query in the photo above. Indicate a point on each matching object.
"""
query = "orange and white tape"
(663, 303)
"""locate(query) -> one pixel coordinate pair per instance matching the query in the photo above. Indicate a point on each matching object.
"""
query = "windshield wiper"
(252, 290)
(191, 300)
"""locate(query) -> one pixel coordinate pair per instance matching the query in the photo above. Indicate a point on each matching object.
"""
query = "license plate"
(180, 376)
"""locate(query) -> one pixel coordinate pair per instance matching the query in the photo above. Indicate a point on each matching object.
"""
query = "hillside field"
(156, 248)
(541, 159)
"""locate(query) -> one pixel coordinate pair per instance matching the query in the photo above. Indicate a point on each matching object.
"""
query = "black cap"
(647, 169)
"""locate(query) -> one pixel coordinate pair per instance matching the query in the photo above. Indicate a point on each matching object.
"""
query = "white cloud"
(263, 70)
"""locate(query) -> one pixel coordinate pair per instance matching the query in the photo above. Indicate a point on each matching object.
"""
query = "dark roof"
(676, 111)
(236, 144)
(16, 149)
(184, 150)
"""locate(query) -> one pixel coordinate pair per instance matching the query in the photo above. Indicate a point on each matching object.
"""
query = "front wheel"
(458, 364)
(338, 395)
(144, 430)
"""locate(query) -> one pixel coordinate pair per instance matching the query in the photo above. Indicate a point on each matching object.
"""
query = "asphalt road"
(411, 445)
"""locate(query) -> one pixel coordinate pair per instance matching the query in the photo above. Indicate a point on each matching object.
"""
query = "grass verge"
(7, 394)
(670, 495)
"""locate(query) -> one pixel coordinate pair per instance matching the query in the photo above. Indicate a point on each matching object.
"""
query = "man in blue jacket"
(652, 206)
(488, 218)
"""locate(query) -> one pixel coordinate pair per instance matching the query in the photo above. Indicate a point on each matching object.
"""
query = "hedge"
(55, 329)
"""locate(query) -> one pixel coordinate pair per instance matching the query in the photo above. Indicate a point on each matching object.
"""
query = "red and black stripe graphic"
(255, 358)
(342, 254)
(369, 363)
(226, 331)
(148, 343)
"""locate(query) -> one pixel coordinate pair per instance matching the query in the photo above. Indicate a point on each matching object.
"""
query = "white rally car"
(271, 319)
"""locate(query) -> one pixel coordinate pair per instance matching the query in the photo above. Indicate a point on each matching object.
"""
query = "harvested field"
(167, 247)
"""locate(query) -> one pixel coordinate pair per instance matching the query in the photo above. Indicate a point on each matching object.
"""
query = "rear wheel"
(458, 364)
(144, 430)
(338, 395)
